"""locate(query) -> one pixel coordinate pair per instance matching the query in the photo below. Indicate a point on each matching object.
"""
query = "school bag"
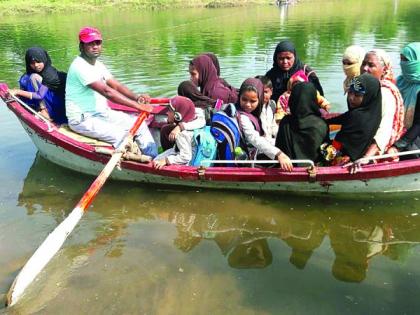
(225, 129)
(206, 147)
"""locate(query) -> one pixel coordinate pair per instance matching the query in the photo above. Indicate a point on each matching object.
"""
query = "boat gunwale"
(241, 174)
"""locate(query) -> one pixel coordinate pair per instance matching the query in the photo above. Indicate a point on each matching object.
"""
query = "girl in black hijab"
(43, 86)
(285, 64)
(360, 123)
(303, 131)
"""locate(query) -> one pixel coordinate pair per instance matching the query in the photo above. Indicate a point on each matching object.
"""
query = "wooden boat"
(65, 148)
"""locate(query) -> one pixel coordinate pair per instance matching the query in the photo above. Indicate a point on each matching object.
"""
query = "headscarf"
(359, 125)
(208, 81)
(258, 87)
(216, 64)
(186, 109)
(384, 58)
(355, 54)
(279, 77)
(215, 61)
(398, 119)
(303, 131)
(190, 90)
(51, 78)
(409, 81)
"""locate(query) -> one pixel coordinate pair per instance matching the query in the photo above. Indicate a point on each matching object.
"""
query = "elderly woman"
(378, 64)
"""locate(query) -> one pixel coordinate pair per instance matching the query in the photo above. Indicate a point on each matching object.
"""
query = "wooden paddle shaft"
(56, 238)
(103, 176)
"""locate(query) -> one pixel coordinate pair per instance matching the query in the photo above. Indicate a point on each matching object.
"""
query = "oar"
(56, 238)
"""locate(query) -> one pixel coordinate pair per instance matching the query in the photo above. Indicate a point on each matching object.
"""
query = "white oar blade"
(55, 240)
(43, 255)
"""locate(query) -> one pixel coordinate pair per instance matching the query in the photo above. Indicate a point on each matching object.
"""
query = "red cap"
(89, 34)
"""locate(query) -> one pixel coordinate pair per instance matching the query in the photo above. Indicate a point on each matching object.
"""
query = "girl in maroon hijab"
(204, 74)
(181, 111)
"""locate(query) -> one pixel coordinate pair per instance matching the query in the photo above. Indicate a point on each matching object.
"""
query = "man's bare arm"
(117, 97)
(141, 98)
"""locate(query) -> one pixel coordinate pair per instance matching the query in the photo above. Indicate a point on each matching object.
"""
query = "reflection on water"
(242, 239)
(180, 251)
(153, 243)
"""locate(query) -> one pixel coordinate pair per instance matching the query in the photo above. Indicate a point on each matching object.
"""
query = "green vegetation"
(14, 7)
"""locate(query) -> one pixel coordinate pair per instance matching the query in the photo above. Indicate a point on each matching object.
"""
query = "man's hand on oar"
(148, 108)
(143, 98)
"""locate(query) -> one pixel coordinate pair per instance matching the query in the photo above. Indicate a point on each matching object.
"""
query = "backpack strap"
(218, 104)
(273, 106)
(251, 117)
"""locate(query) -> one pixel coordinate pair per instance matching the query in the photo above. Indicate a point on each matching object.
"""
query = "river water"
(154, 250)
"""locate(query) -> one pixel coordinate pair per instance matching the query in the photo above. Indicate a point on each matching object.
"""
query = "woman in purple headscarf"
(204, 74)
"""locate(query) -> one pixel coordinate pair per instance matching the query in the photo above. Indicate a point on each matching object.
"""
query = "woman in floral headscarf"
(378, 63)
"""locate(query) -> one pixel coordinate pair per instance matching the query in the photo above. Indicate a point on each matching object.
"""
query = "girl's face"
(249, 101)
(194, 74)
(285, 60)
(37, 66)
(403, 58)
(268, 92)
(372, 65)
(354, 99)
(171, 117)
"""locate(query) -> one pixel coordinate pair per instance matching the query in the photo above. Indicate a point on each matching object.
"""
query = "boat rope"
(201, 171)
(171, 27)
(311, 173)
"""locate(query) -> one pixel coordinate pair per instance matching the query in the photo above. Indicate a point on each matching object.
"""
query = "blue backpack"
(226, 131)
(206, 147)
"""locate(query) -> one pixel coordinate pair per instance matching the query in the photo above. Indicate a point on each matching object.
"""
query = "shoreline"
(21, 7)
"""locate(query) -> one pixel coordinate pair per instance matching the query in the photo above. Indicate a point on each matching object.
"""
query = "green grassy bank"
(19, 7)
